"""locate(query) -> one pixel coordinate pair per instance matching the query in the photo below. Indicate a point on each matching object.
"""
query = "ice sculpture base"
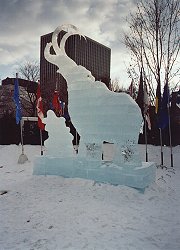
(138, 177)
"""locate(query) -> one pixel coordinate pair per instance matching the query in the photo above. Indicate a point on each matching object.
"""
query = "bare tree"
(29, 99)
(30, 70)
(7, 103)
(154, 40)
(115, 86)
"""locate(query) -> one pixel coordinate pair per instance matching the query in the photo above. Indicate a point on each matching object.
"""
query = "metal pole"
(41, 141)
(161, 147)
(21, 126)
(56, 83)
(145, 130)
(170, 138)
(22, 158)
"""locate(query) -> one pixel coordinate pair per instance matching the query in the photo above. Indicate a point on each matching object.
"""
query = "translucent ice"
(99, 116)
(59, 142)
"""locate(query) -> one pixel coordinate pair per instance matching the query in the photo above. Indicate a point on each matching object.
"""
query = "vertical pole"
(21, 126)
(145, 130)
(75, 146)
(41, 141)
(56, 83)
(170, 138)
(160, 131)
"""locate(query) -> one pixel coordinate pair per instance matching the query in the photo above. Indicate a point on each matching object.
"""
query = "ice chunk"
(59, 142)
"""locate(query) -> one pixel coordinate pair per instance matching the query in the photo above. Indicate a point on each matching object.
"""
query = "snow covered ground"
(54, 213)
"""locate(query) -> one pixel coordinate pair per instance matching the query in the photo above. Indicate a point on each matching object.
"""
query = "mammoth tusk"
(67, 63)
(54, 40)
(48, 56)
(71, 30)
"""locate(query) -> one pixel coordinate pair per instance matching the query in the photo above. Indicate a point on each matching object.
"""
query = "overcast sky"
(22, 22)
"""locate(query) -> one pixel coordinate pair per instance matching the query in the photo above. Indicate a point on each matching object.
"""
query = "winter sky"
(23, 22)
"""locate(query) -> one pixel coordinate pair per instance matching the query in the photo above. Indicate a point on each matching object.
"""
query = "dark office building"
(86, 52)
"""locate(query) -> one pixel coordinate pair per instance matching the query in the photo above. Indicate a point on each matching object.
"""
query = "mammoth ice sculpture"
(97, 113)
(99, 116)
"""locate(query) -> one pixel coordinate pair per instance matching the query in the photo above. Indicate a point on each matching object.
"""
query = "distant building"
(30, 86)
(86, 52)
(9, 131)
(27, 91)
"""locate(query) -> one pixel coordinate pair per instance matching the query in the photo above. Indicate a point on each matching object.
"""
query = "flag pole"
(21, 128)
(76, 143)
(158, 111)
(56, 82)
(40, 114)
(146, 107)
(22, 143)
(170, 138)
(160, 132)
(145, 131)
(41, 141)
(22, 158)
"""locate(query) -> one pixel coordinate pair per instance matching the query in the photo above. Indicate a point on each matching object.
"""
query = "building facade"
(30, 86)
(27, 93)
(86, 52)
(9, 130)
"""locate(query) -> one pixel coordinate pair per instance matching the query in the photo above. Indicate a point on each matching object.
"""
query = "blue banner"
(17, 101)
(163, 119)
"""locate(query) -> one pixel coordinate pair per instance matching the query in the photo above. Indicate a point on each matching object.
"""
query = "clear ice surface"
(99, 115)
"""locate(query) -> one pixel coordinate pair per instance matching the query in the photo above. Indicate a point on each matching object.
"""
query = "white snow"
(54, 213)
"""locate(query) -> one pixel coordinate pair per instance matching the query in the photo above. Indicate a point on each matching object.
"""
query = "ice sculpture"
(59, 142)
(99, 116)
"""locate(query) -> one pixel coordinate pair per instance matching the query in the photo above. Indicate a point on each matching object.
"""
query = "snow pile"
(50, 212)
